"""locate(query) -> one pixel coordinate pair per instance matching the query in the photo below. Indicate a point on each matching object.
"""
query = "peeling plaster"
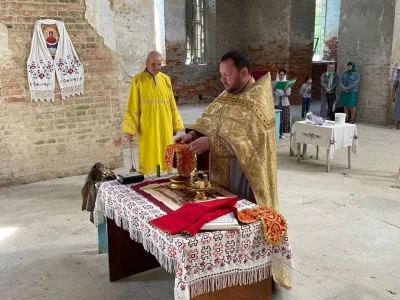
(332, 18)
(380, 21)
(159, 26)
(131, 28)
(5, 52)
(100, 16)
(368, 36)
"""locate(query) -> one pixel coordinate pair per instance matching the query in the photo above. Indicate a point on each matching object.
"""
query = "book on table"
(225, 222)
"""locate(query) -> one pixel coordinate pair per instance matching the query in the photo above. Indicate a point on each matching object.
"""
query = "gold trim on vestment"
(245, 121)
(219, 161)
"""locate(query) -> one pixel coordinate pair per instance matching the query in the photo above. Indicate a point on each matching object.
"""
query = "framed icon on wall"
(51, 35)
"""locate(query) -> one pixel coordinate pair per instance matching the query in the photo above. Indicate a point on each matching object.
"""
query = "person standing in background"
(281, 101)
(349, 94)
(305, 92)
(152, 113)
(329, 82)
(396, 100)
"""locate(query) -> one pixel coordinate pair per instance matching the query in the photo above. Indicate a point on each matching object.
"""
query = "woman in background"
(281, 101)
(396, 100)
(349, 94)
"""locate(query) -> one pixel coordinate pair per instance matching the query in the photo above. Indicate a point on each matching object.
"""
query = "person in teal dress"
(396, 100)
(349, 91)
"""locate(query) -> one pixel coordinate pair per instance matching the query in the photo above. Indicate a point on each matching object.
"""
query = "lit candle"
(205, 178)
(192, 178)
(158, 170)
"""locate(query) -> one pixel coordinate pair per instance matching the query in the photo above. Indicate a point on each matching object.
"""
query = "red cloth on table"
(192, 216)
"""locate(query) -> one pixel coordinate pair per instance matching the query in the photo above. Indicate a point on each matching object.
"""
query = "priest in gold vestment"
(238, 128)
(238, 131)
(152, 114)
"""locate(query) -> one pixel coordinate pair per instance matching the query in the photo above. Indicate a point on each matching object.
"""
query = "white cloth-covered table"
(223, 258)
(332, 136)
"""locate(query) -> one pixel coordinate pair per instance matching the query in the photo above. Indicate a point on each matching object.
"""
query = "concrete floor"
(344, 228)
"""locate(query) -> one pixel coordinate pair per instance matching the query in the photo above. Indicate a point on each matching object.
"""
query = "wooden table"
(122, 249)
(119, 203)
(331, 136)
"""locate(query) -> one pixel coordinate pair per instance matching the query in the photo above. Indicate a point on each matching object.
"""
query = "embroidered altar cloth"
(202, 263)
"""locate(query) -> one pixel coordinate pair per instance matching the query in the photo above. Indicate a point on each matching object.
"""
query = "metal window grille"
(319, 28)
(195, 44)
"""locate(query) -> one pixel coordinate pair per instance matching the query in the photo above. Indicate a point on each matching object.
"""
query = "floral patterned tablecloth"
(204, 262)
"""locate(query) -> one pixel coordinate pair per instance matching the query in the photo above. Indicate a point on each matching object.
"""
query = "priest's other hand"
(183, 139)
(200, 145)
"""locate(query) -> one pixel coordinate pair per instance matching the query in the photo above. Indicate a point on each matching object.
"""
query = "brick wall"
(267, 31)
(302, 19)
(48, 140)
(280, 35)
(375, 59)
(191, 83)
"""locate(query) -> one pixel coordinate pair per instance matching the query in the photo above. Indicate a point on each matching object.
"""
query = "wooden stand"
(257, 291)
(125, 256)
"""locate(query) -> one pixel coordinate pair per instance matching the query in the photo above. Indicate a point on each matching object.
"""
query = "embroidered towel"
(42, 68)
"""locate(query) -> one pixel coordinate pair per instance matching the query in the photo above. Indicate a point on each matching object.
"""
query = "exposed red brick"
(56, 139)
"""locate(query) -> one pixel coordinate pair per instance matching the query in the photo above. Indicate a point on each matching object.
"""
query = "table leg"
(304, 151)
(317, 152)
(349, 156)
(125, 256)
(102, 238)
(291, 152)
(328, 162)
(298, 152)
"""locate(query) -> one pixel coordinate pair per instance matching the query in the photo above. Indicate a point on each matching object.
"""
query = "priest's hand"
(183, 139)
(200, 145)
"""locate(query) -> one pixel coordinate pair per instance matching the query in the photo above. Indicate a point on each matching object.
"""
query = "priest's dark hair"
(240, 59)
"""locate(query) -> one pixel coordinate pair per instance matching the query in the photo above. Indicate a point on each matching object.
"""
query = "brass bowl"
(178, 181)
(201, 191)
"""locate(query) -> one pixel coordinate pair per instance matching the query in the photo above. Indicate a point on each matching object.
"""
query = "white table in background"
(331, 135)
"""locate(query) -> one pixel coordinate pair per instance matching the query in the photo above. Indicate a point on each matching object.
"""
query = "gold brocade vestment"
(245, 122)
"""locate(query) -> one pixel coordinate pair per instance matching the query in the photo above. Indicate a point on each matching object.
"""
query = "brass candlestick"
(200, 186)
(178, 181)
